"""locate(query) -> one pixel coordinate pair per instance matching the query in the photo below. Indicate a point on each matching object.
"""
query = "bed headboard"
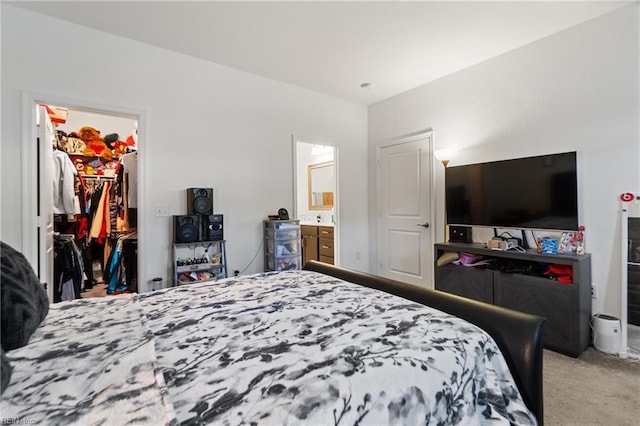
(519, 335)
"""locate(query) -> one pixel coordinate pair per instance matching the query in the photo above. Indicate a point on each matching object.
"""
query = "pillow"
(5, 372)
(24, 302)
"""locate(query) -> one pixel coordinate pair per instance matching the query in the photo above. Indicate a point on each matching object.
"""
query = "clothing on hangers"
(68, 268)
(64, 175)
(121, 271)
(130, 164)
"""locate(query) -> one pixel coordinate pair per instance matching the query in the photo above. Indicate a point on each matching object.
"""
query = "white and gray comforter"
(286, 348)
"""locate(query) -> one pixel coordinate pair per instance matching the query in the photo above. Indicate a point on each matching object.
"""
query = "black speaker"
(186, 229)
(460, 234)
(200, 201)
(212, 227)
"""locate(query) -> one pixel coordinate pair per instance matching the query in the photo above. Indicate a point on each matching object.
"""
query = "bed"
(324, 345)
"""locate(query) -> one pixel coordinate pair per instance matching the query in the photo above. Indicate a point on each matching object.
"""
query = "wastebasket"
(606, 333)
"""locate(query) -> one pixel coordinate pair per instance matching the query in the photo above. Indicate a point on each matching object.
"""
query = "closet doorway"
(316, 197)
(83, 230)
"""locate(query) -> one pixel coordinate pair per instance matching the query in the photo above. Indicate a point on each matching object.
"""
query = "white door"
(44, 143)
(405, 236)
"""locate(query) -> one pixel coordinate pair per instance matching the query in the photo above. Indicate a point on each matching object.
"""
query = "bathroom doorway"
(316, 197)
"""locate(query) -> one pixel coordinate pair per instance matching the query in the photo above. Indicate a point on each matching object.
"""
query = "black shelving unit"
(566, 306)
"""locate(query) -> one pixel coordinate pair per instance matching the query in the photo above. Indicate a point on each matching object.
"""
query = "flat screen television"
(524, 193)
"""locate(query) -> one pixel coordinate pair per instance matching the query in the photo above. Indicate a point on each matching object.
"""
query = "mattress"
(280, 348)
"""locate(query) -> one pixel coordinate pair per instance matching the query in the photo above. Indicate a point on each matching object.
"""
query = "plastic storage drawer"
(283, 263)
(283, 233)
(280, 248)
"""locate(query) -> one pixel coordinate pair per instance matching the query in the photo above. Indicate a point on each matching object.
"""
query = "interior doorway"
(316, 199)
(97, 152)
(405, 211)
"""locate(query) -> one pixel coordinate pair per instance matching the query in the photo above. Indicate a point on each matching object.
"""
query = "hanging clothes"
(121, 270)
(65, 200)
(68, 268)
(130, 163)
(98, 228)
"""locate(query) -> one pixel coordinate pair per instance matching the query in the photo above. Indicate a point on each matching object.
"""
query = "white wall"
(576, 90)
(206, 126)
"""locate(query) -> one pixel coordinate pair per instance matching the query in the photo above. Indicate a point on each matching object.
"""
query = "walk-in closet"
(94, 175)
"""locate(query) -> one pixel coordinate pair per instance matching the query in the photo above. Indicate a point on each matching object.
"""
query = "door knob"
(424, 225)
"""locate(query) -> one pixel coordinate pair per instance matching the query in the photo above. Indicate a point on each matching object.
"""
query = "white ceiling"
(334, 47)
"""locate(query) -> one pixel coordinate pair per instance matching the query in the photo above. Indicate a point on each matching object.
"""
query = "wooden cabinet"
(309, 243)
(317, 243)
(325, 243)
(565, 306)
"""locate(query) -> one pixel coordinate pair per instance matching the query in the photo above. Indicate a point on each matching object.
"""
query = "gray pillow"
(24, 300)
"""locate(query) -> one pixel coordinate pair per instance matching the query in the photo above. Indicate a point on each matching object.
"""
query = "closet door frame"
(29, 169)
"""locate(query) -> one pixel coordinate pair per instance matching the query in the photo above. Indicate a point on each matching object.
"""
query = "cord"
(254, 257)
(511, 246)
(508, 235)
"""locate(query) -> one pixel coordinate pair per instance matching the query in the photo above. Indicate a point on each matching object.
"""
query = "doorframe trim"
(410, 137)
(30, 167)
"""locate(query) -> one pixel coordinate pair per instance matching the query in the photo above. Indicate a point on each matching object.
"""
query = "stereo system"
(200, 224)
(460, 234)
(187, 229)
(200, 200)
(212, 227)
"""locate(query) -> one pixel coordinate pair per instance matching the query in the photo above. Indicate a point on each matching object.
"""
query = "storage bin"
(283, 263)
(283, 247)
(282, 234)
(282, 229)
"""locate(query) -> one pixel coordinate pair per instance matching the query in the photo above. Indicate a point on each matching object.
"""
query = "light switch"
(162, 211)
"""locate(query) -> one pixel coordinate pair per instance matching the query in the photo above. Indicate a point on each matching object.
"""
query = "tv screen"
(526, 193)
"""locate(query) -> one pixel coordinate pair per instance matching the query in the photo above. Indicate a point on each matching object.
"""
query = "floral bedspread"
(91, 362)
(286, 348)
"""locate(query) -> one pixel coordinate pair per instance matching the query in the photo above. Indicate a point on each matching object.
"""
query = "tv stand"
(566, 307)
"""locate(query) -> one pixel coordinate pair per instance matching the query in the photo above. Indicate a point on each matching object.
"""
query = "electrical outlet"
(594, 291)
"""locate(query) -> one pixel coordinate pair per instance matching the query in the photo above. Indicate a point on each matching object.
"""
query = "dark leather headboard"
(519, 335)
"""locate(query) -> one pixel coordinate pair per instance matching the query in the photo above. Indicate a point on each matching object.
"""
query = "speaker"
(200, 201)
(212, 227)
(186, 229)
(460, 234)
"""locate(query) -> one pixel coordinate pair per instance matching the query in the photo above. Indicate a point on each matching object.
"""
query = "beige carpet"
(593, 389)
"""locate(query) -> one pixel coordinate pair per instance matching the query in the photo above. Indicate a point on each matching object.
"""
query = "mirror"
(321, 183)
